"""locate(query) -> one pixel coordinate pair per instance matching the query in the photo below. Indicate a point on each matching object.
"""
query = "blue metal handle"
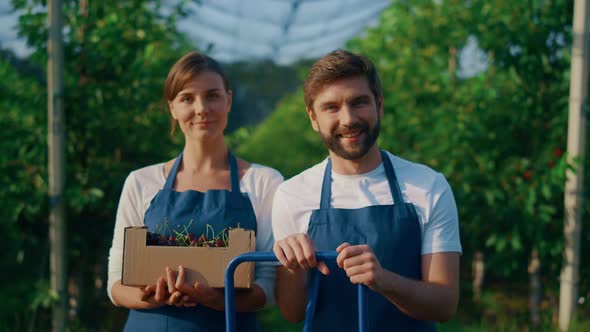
(230, 310)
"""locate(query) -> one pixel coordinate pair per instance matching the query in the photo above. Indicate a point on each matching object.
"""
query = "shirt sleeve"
(264, 275)
(283, 224)
(128, 214)
(441, 231)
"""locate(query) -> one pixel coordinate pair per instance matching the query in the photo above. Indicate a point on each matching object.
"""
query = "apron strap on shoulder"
(392, 179)
(172, 175)
(327, 186)
(234, 175)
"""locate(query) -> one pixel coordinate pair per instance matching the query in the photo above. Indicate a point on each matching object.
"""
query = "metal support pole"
(56, 167)
(576, 145)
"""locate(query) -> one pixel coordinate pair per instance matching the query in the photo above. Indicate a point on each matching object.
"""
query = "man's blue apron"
(392, 232)
(171, 210)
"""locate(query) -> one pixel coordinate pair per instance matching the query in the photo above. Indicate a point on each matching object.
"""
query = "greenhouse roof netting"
(238, 30)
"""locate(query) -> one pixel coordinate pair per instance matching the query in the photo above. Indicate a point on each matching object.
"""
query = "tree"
(24, 195)
(117, 56)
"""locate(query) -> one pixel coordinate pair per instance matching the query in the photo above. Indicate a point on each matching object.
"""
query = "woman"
(204, 185)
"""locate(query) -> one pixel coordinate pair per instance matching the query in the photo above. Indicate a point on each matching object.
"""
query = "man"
(393, 223)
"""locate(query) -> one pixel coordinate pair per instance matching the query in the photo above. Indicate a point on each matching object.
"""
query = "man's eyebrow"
(361, 98)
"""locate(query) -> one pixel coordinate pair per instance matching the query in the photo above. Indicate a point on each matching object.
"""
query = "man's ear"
(312, 118)
(380, 107)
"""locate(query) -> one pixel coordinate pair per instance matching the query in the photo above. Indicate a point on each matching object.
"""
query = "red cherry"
(527, 175)
(557, 152)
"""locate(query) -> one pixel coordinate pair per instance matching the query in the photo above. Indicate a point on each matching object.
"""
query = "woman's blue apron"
(171, 210)
(392, 232)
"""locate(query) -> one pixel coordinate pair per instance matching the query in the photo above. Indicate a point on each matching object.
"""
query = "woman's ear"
(171, 109)
(229, 100)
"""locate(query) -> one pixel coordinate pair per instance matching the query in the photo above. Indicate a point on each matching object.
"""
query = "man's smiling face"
(347, 116)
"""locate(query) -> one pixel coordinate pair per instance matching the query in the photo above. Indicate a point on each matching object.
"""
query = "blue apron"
(171, 210)
(392, 232)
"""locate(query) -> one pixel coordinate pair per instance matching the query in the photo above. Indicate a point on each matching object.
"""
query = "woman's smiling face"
(202, 106)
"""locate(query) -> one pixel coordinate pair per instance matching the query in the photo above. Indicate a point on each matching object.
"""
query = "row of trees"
(498, 136)
(116, 58)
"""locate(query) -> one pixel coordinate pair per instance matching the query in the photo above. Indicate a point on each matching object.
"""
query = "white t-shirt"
(428, 190)
(259, 182)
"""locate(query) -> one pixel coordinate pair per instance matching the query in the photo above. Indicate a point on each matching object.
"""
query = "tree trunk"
(478, 272)
(535, 288)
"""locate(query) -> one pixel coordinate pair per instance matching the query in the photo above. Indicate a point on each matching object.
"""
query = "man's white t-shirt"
(259, 182)
(296, 198)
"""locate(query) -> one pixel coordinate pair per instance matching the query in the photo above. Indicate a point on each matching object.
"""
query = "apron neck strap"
(389, 173)
(236, 199)
(172, 175)
(392, 179)
(233, 173)
(327, 186)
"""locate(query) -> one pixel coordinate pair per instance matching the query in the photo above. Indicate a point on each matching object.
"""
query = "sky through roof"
(240, 30)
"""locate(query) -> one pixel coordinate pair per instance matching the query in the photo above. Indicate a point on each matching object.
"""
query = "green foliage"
(24, 190)
(257, 87)
(116, 58)
(271, 320)
(286, 140)
(501, 312)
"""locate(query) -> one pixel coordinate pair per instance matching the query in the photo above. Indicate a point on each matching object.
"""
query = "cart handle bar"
(268, 256)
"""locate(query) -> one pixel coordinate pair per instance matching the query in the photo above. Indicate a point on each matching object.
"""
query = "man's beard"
(360, 148)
